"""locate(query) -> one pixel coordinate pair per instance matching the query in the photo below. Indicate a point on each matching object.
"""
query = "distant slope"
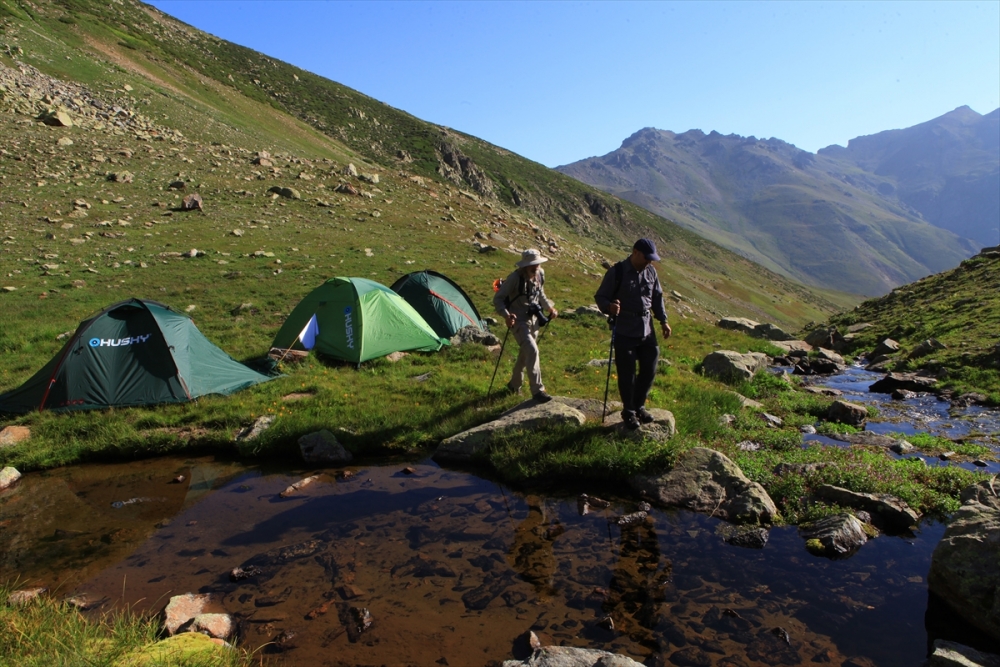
(820, 220)
(947, 169)
(217, 92)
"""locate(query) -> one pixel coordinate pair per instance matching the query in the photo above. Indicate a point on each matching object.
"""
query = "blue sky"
(562, 81)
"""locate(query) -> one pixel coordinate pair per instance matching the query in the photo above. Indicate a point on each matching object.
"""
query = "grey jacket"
(640, 295)
(515, 298)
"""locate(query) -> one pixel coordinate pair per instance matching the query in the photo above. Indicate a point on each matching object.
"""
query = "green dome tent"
(442, 303)
(131, 353)
(355, 320)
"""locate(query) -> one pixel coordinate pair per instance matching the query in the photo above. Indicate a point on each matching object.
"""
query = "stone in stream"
(301, 484)
(25, 595)
(888, 512)
(323, 448)
(964, 569)
(833, 536)
(844, 412)
(8, 477)
(182, 608)
(748, 537)
(566, 656)
(953, 654)
(910, 381)
(241, 573)
(220, 626)
(705, 480)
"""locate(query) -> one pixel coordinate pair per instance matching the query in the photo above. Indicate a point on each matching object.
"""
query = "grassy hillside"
(959, 308)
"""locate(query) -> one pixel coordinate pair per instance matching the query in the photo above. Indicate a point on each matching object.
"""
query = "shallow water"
(454, 568)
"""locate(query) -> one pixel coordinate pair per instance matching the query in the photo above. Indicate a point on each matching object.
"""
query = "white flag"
(309, 333)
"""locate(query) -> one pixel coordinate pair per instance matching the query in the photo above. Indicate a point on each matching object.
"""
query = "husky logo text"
(119, 342)
(349, 327)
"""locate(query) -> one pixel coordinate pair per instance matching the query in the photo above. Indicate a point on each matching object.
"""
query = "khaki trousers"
(526, 335)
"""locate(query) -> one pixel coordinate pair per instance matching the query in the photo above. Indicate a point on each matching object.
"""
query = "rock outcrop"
(705, 480)
(964, 570)
(888, 512)
(528, 416)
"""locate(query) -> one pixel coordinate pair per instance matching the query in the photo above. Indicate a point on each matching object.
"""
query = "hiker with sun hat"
(521, 300)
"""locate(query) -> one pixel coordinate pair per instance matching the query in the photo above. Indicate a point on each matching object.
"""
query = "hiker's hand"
(614, 308)
(553, 313)
(666, 329)
(511, 320)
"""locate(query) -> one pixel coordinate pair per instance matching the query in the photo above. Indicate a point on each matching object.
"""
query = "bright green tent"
(355, 320)
(132, 353)
(442, 303)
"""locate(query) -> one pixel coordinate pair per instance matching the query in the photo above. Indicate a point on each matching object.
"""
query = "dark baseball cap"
(647, 248)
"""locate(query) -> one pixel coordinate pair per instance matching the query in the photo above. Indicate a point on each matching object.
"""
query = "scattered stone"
(241, 573)
(471, 334)
(288, 193)
(121, 177)
(12, 435)
(828, 338)
(347, 189)
(832, 536)
(24, 596)
(298, 486)
(807, 429)
(705, 480)
(177, 185)
(946, 456)
(902, 447)
(323, 448)
(369, 178)
(847, 413)
(192, 202)
(888, 512)
(65, 141)
(220, 626)
(770, 332)
(829, 355)
(926, 347)
(237, 232)
(182, 608)
(741, 324)
(351, 170)
(771, 421)
(259, 426)
(800, 468)
(57, 118)
(8, 477)
(729, 365)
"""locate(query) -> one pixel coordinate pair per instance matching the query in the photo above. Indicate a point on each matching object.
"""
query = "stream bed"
(455, 569)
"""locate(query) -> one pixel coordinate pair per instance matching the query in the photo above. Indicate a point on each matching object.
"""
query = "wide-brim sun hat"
(531, 257)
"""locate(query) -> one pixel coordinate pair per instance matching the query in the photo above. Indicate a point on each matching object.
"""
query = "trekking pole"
(607, 383)
(497, 367)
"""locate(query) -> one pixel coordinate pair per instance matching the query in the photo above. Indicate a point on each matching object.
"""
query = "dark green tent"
(355, 320)
(132, 353)
(443, 304)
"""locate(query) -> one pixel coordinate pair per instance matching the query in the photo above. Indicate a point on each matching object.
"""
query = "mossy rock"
(190, 649)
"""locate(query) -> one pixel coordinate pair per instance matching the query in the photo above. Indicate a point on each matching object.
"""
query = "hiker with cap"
(631, 295)
(521, 301)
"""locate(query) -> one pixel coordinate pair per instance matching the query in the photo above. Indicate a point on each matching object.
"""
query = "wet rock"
(829, 355)
(888, 512)
(748, 537)
(323, 448)
(730, 365)
(220, 626)
(359, 620)
(25, 595)
(816, 366)
(284, 641)
(241, 573)
(964, 569)
(566, 656)
(8, 477)
(192, 202)
(705, 480)
(528, 416)
(963, 401)
(823, 391)
(953, 654)
(297, 486)
(833, 536)
(902, 447)
(275, 599)
(847, 413)
(182, 608)
(422, 566)
(319, 611)
(690, 657)
(12, 435)
(910, 381)
(903, 394)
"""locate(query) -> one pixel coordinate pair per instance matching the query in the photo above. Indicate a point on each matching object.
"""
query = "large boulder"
(738, 324)
(827, 337)
(471, 334)
(770, 332)
(568, 656)
(323, 448)
(887, 512)
(528, 416)
(885, 348)
(909, 381)
(923, 348)
(662, 428)
(730, 365)
(964, 570)
(847, 413)
(182, 608)
(705, 480)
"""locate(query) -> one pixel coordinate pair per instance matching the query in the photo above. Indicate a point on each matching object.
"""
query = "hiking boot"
(542, 397)
(508, 390)
(630, 420)
(644, 416)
